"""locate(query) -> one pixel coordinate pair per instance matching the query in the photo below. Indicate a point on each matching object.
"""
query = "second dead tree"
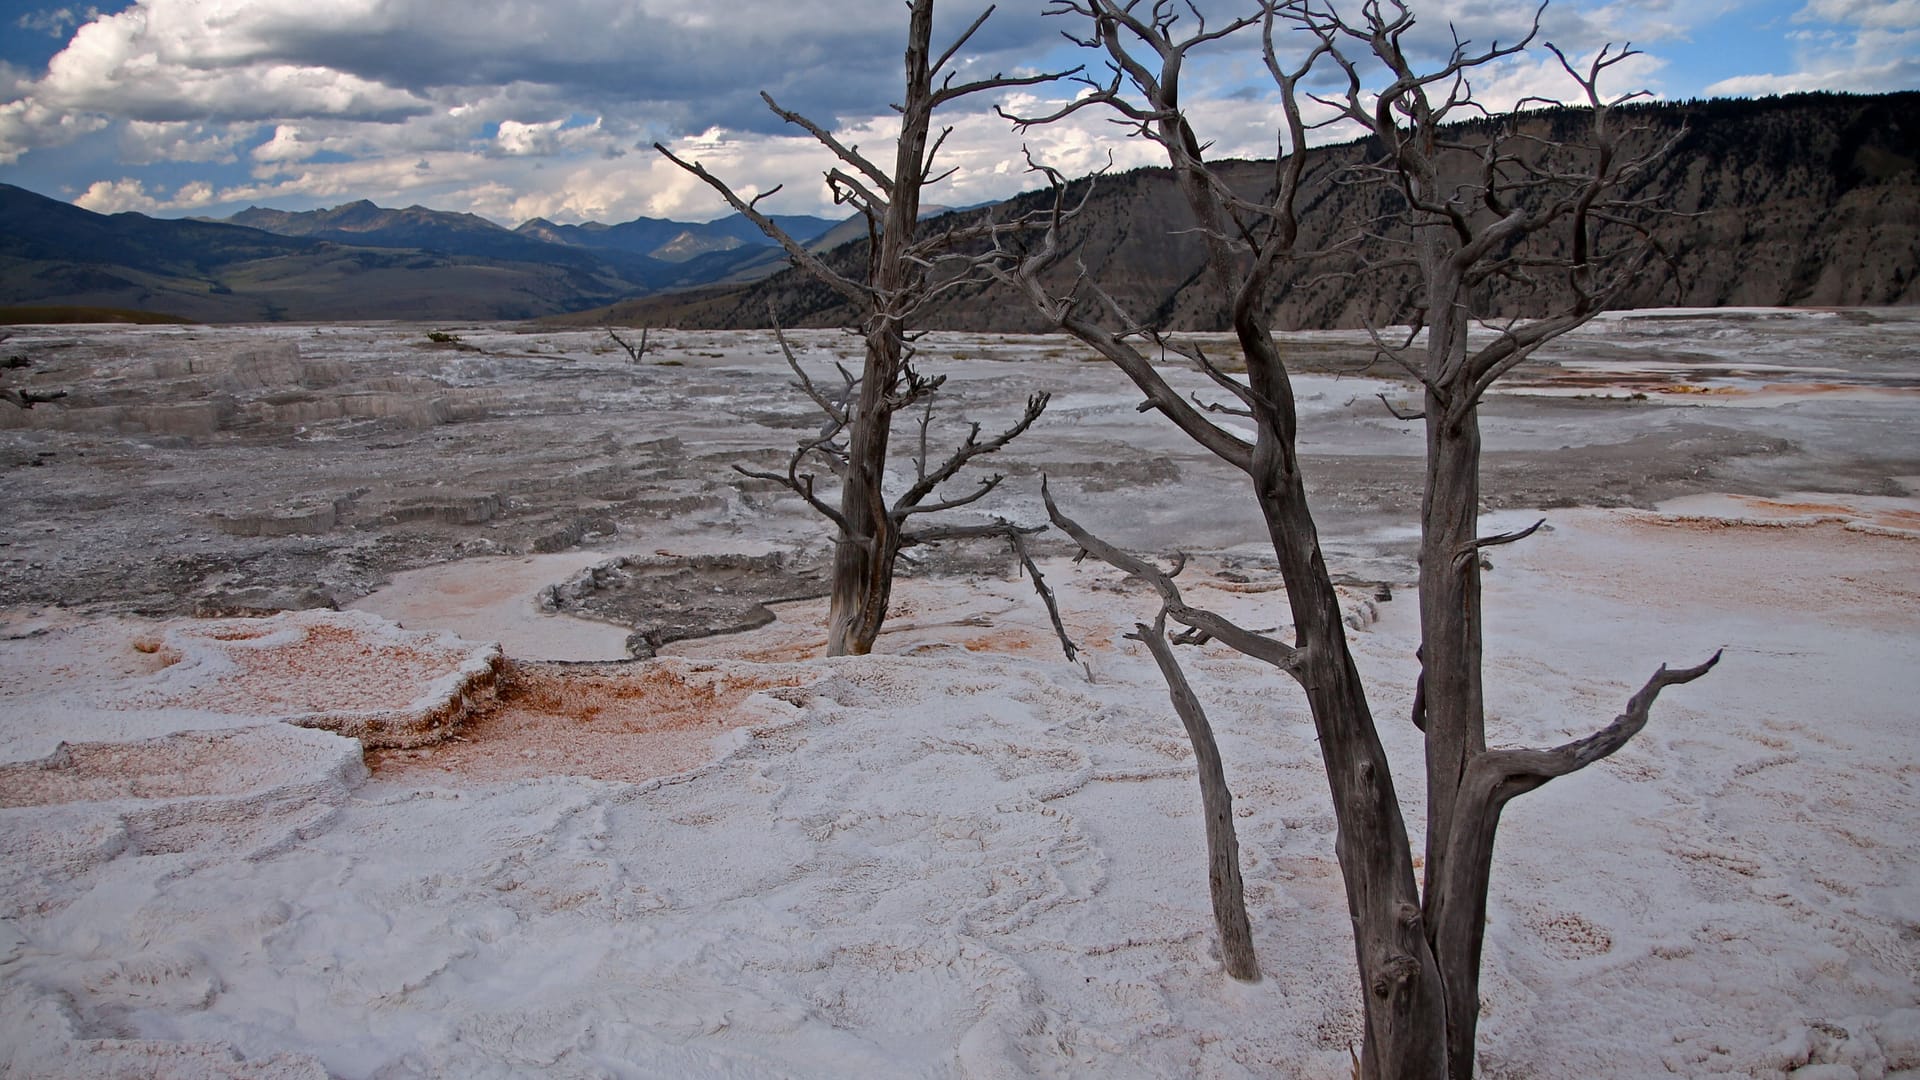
(905, 272)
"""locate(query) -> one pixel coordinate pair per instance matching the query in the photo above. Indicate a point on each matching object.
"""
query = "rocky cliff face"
(1808, 200)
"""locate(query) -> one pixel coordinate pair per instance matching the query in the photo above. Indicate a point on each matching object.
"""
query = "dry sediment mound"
(347, 672)
(234, 763)
(246, 790)
(121, 681)
(229, 762)
(618, 722)
(148, 1058)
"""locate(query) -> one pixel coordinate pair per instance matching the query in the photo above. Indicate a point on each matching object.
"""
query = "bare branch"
(1466, 552)
(800, 484)
(636, 354)
(1284, 657)
(1019, 541)
(861, 295)
(1207, 367)
(836, 410)
(1496, 776)
(997, 82)
(848, 190)
(1107, 95)
(849, 154)
(903, 510)
(1397, 414)
(1221, 409)
(967, 451)
(961, 41)
(1223, 847)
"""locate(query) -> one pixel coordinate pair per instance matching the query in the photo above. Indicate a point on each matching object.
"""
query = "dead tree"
(905, 272)
(635, 353)
(1493, 201)
(1418, 951)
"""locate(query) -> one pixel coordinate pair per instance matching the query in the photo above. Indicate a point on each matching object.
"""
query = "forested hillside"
(1806, 200)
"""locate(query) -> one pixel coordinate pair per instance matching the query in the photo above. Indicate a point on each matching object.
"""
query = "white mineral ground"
(494, 599)
(960, 857)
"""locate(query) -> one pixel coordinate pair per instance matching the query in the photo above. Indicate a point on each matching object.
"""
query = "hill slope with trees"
(1806, 200)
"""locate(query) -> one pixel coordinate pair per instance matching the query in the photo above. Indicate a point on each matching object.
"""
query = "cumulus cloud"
(1866, 46)
(26, 124)
(127, 193)
(377, 59)
(144, 142)
(56, 22)
(289, 143)
(137, 65)
(521, 108)
(194, 194)
(516, 139)
(117, 196)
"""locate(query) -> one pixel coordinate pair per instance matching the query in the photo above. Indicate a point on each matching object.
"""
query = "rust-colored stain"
(1896, 520)
(330, 669)
(1802, 507)
(1000, 641)
(784, 652)
(625, 726)
(384, 673)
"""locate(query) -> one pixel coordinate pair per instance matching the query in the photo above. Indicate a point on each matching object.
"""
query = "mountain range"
(361, 261)
(1807, 200)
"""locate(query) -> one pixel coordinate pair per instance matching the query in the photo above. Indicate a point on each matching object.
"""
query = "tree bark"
(863, 555)
(862, 582)
(1405, 1035)
(1450, 649)
(1224, 885)
(1406, 1031)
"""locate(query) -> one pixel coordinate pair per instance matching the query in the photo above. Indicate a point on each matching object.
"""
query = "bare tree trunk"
(862, 583)
(1449, 593)
(864, 553)
(1405, 1036)
(1458, 902)
(1224, 886)
(1455, 713)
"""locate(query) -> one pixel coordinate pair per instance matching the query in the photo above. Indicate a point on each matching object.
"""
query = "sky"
(516, 109)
